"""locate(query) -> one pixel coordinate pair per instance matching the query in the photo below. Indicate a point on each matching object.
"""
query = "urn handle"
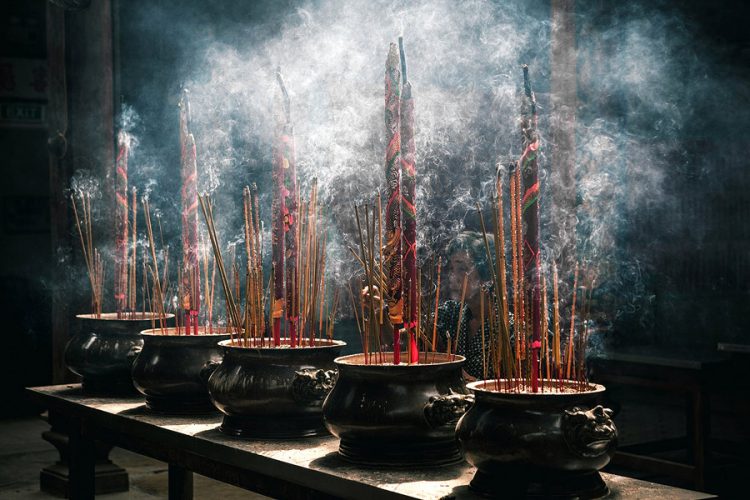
(311, 385)
(133, 352)
(589, 433)
(207, 369)
(447, 409)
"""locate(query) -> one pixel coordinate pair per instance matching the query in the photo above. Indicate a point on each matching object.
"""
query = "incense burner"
(103, 350)
(548, 444)
(274, 392)
(398, 415)
(172, 370)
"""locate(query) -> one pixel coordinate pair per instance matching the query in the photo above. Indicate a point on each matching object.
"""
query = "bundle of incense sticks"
(393, 250)
(254, 300)
(133, 260)
(528, 166)
(369, 312)
(522, 354)
(91, 256)
(234, 321)
(209, 283)
(400, 262)
(158, 296)
(369, 322)
(408, 204)
(316, 315)
(561, 358)
(95, 263)
(310, 296)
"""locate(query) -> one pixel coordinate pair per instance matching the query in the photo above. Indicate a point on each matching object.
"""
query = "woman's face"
(460, 265)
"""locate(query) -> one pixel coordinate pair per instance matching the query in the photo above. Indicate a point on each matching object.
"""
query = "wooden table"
(694, 375)
(733, 348)
(308, 468)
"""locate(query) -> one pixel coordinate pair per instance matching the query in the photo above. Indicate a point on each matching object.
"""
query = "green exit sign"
(22, 112)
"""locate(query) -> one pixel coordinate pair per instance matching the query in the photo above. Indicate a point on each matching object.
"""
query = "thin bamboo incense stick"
(87, 248)
(380, 251)
(159, 297)
(556, 321)
(133, 253)
(231, 306)
(368, 275)
(437, 302)
(520, 266)
(545, 327)
(481, 315)
(418, 317)
(514, 273)
(501, 249)
(569, 355)
(461, 309)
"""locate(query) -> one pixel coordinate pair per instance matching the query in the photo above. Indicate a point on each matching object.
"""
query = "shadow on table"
(262, 445)
(142, 412)
(398, 474)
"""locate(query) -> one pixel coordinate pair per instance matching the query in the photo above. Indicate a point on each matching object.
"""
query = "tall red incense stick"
(190, 285)
(278, 208)
(529, 165)
(121, 222)
(392, 250)
(286, 161)
(409, 211)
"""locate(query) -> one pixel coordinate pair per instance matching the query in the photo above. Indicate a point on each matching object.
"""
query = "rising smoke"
(643, 87)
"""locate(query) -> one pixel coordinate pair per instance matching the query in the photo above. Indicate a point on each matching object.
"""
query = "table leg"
(180, 483)
(701, 426)
(81, 465)
(55, 478)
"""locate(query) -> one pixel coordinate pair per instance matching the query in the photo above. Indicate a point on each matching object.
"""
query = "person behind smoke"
(466, 256)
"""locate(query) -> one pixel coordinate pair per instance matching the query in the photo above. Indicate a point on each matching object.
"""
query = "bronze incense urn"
(104, 348)
(274, 392)
(172, 370)
(544, 444)
(398, 415)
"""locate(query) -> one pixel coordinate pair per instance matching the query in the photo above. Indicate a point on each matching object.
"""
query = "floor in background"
(23, 453)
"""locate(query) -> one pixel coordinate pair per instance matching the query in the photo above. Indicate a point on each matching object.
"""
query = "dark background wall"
(27, 251)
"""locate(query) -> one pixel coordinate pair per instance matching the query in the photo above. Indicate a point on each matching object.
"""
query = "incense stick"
(461, 310)
(158, 296)
(94, 268)
(569, 355)
(231, 305)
